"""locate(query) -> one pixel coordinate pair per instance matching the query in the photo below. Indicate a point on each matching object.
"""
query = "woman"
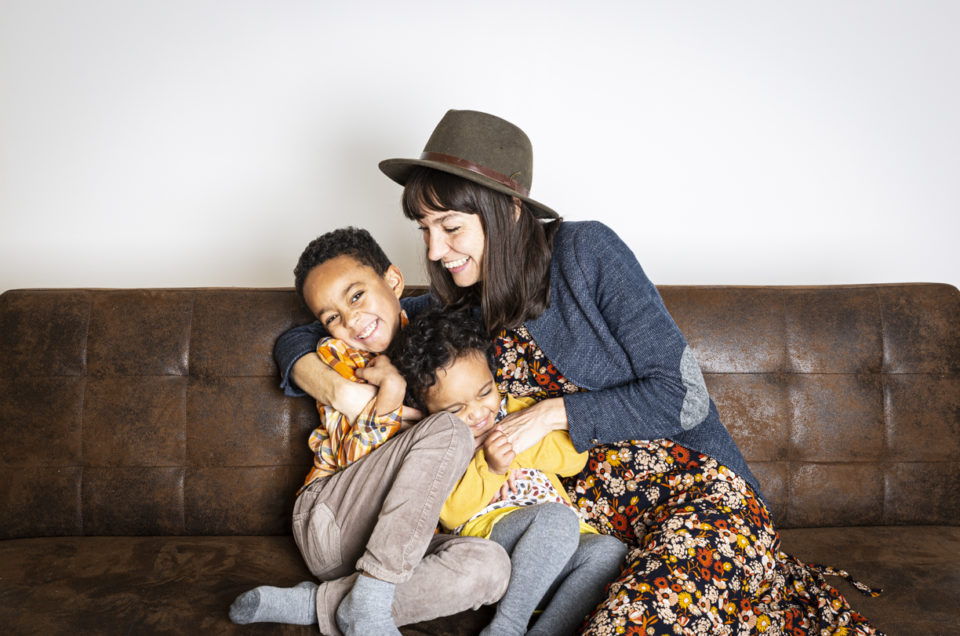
(579, 326)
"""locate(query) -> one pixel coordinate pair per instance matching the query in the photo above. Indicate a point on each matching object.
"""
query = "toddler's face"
(354, 303)
(467, 389)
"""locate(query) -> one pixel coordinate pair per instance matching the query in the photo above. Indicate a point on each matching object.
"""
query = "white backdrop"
(204, 143)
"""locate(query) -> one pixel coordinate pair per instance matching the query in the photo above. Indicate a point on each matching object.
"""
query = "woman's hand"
(528, 426)
(329, 387)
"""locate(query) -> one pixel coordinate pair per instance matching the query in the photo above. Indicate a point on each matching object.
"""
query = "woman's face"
(455, 240)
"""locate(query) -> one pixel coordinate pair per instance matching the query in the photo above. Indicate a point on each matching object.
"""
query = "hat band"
(481, 170)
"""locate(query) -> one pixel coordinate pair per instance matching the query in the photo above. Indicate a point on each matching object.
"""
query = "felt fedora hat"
(481, 148)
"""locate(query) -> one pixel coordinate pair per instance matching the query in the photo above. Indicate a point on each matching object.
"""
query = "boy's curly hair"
(433, 340)
(346, 241)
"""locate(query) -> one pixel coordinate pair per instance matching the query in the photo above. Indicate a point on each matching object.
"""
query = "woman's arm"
(610, 333)
(293, 345)
(329, 387)
(304, 373)
(644, 381)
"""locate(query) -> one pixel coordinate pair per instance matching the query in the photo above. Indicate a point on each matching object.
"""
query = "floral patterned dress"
(704, 555)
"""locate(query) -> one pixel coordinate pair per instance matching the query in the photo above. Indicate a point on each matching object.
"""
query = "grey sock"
(293, 605)
(366, 609)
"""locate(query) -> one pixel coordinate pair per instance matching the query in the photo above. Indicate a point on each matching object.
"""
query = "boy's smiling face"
(354, 303)
(467, 389)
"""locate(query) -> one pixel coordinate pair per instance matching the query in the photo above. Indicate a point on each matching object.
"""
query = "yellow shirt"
(552, 457)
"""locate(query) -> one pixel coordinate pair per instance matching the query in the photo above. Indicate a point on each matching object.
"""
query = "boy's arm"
(473, 492)
(329, 387)
(391, 387)
(371, 427)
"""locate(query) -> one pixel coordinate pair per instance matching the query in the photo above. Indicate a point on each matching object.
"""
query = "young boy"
(371, 501)
(446, 360)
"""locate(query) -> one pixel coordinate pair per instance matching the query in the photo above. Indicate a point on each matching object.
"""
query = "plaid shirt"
(337, 443)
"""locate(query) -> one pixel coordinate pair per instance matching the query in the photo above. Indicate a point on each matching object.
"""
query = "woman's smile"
(457, 241)
(456, 265)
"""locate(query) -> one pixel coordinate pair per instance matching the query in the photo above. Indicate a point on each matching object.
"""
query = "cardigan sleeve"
(292, 345)
(658, 389)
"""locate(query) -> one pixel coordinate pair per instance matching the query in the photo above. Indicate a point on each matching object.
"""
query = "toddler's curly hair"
(433, 340)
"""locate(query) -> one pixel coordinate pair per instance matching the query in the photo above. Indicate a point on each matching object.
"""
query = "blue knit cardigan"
(607, 331)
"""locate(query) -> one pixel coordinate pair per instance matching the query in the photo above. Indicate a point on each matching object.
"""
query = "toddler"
(558, 562)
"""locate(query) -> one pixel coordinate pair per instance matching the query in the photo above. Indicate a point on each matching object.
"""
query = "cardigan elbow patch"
(696, 402)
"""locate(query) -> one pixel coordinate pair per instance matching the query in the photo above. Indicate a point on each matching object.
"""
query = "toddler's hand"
(509, 487)
(498, 452)
(411, 415)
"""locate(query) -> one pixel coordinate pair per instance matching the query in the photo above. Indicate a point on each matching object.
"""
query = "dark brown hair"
(515, 283)
(435, 339)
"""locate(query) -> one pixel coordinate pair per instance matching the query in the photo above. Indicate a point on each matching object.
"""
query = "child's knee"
(445, 425)
(597, 548)
(559, 514)
(563, 526)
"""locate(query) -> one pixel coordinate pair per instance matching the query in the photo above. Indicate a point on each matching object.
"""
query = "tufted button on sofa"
(148, 460)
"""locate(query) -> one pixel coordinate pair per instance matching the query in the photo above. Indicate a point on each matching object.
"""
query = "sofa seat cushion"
(139, 585)
(177, 585)
(155, 585)
(918, 568)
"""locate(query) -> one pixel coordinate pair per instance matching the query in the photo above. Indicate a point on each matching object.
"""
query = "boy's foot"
(293, 605)
(366, 609)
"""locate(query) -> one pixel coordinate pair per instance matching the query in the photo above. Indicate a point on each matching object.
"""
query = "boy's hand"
(381, 373)
(498, 452)
(324, 384)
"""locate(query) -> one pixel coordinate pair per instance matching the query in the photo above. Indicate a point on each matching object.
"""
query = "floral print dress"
(704, 556)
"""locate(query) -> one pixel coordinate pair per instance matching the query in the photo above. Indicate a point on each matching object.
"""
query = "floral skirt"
(704, 555)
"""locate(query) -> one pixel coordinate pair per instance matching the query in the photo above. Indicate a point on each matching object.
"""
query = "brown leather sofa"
(148, 460)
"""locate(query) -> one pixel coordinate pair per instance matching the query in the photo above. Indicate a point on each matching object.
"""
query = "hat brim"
(399, 170)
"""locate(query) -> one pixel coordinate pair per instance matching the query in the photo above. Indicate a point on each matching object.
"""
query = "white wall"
(204, 143)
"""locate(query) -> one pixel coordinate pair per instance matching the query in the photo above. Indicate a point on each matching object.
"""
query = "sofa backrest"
(845, 400)
(158, 412)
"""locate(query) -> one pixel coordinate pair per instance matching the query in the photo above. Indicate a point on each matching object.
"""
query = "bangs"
(430, 190)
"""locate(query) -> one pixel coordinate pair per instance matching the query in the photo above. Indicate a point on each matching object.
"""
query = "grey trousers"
(554, 567)
(379, 516)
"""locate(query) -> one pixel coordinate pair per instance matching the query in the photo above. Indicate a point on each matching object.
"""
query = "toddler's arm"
(472, 493)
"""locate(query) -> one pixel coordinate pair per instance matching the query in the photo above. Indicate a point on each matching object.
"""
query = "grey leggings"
(553, 564)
